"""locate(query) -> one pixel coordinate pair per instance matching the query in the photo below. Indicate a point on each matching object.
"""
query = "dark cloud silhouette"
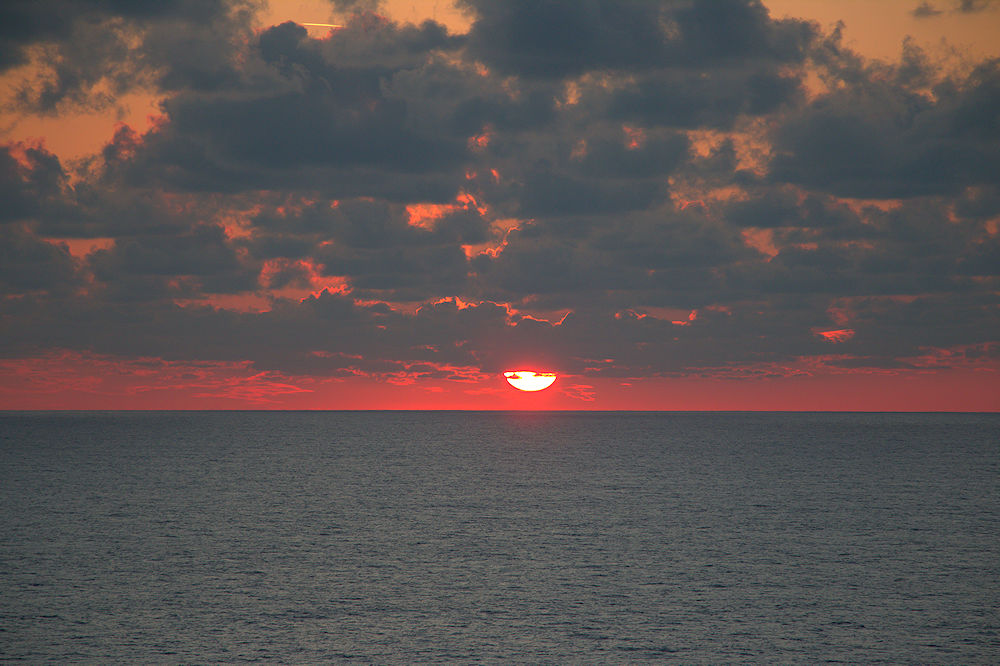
(28, 264)
(31, 178)
(560, 38)
(93, 51)
(872, 140)
(926, 10)
(974, 6)
(307, 115)
(200, 254)
(693, 99)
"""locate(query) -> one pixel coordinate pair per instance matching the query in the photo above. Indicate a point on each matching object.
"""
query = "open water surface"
(407, 537)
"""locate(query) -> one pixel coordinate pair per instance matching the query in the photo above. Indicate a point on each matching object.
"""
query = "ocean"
(499, 537)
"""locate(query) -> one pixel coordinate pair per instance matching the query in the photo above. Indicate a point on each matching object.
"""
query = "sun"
(528, 380)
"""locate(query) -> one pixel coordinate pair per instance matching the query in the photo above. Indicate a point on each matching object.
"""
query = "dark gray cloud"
(374, 245)
(307, 115)
(926, 10)
(974, 6)
(560, 38)
(31, 178)
(613, 154)
(886, 140)
(547, 192)
(93, 51)
(656, 258)
(28, 264)
(201, 253)
(693, 99)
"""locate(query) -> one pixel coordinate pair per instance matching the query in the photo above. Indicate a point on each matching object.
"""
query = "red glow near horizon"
(73, 380)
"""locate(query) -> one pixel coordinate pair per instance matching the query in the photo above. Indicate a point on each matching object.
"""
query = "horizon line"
(530, 411)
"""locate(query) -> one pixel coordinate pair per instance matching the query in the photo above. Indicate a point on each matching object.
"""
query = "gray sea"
(493, 537)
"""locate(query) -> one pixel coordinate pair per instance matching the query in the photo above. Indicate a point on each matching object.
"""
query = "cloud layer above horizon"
(620, 189)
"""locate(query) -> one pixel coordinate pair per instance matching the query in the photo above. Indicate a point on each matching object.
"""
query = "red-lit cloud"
(839, 335)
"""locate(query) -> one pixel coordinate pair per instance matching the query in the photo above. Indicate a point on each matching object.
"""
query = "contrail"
(322, 25)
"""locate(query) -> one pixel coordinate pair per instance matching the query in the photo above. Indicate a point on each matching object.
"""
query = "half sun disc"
(527, 380)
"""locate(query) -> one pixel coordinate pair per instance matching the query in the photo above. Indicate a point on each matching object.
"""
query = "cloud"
(925, 10)
(31, 180)
(29, 265)
(87, 53)
(200, 254)
(697, 99)
(888, 140)
(607, 189)
(561, 38)
(974, 6)
(310, 115)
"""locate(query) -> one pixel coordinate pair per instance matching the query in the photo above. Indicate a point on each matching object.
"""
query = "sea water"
(407, 537)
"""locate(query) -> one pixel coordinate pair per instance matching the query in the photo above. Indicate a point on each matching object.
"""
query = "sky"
(677, 205)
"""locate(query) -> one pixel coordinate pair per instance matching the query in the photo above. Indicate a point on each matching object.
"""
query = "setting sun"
(527, 380)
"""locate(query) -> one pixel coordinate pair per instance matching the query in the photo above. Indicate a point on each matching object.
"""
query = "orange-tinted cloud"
(424, 215)
(839, 335)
